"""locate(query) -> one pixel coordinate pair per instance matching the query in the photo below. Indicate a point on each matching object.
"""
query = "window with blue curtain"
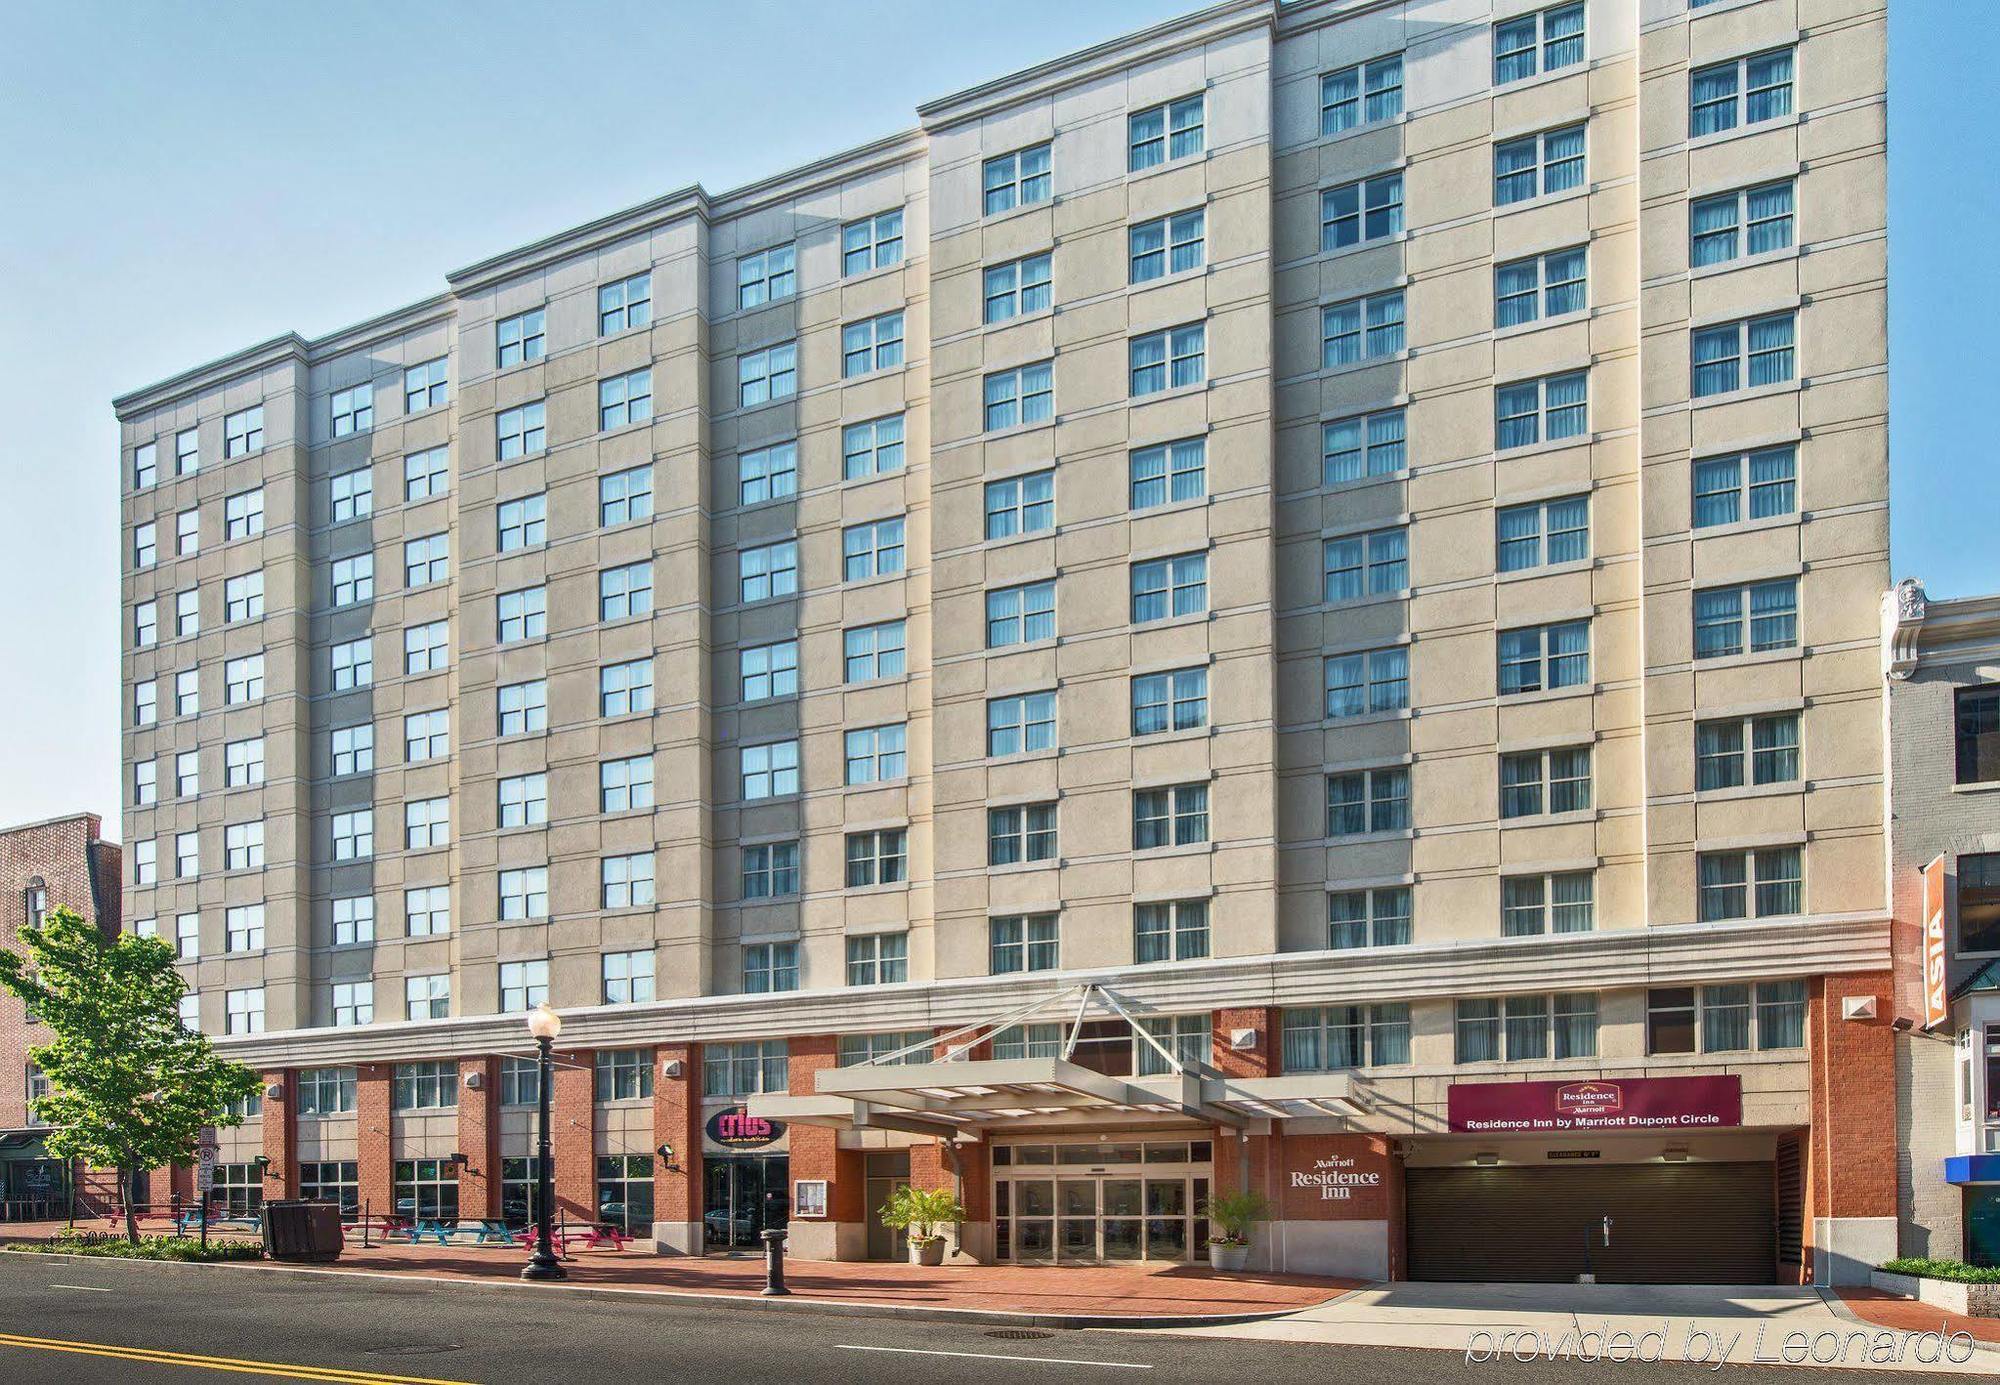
(1773, 482)
(1516, 292)
(1514, 170)
(1712, 100)
(1340, 334)
(1774, 615)
(1385, 88)
(1712, 230)
(1517, 415)
(1385, 325)
(1527, 1027)
(1477, 1038)
(1767, 87)
(1562, 159)
(1718, 622)
(1566, 405)
(1717, 491)
(1771, 358)
(1569, 654)
(1519, 534)
(1717, 363)
(1769, 217)
(1383, 202)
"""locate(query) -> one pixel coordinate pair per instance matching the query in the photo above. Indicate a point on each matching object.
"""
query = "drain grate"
(1019, 1334)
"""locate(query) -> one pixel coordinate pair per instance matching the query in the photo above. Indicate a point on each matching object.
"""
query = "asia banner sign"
(1937, 994)
(735, 1128)
(1598, 1104)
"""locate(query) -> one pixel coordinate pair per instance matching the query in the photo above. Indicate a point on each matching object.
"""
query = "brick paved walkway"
(1908, 1315)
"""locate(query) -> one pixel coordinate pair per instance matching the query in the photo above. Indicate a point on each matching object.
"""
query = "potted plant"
(1230, 1217)
(922, 1214)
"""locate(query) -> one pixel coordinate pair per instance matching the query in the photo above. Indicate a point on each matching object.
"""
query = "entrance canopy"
(948, 1093)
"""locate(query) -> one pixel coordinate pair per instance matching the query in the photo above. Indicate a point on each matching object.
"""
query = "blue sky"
(186, 179)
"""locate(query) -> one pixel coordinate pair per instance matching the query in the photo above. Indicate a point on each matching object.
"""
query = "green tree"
(130, 1087)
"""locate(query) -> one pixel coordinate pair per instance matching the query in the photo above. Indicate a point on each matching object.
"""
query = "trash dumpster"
(302, 1231)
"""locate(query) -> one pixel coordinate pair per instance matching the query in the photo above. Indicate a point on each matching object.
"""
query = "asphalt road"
(118, 1323)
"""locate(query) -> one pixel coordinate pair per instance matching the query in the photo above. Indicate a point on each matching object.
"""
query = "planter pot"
(1227, 1258)
(929, 1252)
(1971, 1300)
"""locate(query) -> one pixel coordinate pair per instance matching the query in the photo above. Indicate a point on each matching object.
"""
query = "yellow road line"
(152, 1356)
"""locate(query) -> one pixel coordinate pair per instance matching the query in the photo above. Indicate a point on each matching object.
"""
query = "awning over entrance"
(956, 1095)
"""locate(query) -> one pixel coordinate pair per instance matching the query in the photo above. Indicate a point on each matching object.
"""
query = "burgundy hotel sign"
(1599, 1104)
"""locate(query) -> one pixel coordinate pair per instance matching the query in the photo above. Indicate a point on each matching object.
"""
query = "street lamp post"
(544, 1024)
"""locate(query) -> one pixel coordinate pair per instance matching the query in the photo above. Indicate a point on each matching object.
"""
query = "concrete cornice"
(1959, 628)
(1623, 958)
(265, 354)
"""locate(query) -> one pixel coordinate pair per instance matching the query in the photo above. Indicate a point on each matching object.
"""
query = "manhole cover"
(1018, 1334)
(414, 1349)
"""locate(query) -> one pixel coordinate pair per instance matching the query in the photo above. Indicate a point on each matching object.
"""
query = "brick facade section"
(1260, 1059)
(1852, 1172)
(479, 1137)
(677, 1122)
(816, 1152)
(375, 1169)
(281, 1135)
(573, 1136)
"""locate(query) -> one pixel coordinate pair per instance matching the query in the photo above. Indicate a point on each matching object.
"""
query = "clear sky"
(180, 180)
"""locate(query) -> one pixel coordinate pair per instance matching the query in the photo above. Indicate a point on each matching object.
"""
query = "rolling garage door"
(1670, 1223)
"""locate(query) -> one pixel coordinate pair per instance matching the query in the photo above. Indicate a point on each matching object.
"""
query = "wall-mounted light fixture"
(1675, 1154)
(1486, 1161)
(667, 1158)
(671, 1068)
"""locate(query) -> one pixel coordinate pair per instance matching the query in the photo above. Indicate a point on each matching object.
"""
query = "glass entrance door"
(743, 1196)
(1092, 1203)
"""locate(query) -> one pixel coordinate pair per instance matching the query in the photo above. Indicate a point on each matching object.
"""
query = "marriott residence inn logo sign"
(1626, 1103)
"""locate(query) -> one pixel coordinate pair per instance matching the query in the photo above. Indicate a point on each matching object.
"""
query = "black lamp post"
(544, 1024)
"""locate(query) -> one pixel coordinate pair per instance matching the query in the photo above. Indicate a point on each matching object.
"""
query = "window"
(1764, 883)
(1012, 290)
(1369, 209)
(766, 276)
(243, 431)
(525, 893)
(1549, 409)
(1539, 286)
(762, 376)
(146, 624)
(878, 959)
(1368, 800)
(1539, 658)
(352, 410)
(627, 303)
(621, 689)
(354, 835)
(625, 1074)
(1022, 943)
(242, 679)
(770, 967)
(857, 1049)
(520, 338)
(1547, 532)
(1019, 615)
(238, 1189)
(427, 998)
(1977, 894)
(1334, 1037)
(1372, 680)
(1168, 587)
(1021, 834)
(1535, 782)
(1719, 1019)
(145, 544)
(146, 703)
(1170, 932)
(1018, 179)
(524, 800)
(331, 1180)
(875, 754)
(1361, 329)
(243, 846)
(521, 431)
(1518, 1028)
(426, 823)
(523, 522)
(353, 920)
(523, 985)
(1362, 565)
(326, 1091)
(427, 473)
(189, 1009)
(523, 614)
(1368, 918)
(743, 1069)
(1028, 1041)
(428, 1188)
(520, 708)
(876, 344)
(628, 980)
(1751, 221)
(353, 579)
(1020, 505)
(1020, 396)
(626, 882)
(145, 465)
(770, 771)
(351, 495)
(1165, 245)
(1172, 816)
(1020, 725)
(1169, 359)
(426, 560)
(243, 598)
(1535, 43)
(427, 735)
(768, 670)
(626, 591)
(1561, 903)
(871, 550)
(426, 1086)
(1341, 105)
(624, 399)
(1161, 133)
(243, 763)
(873, 651)
(187, 452)
(1735, 751)
(1768, 611)
(145, 862)
(770, 870)
(871, 448)
(245, 1011)
(425, 385)
(1176, 700)
(145, 783)
(1976, 734)
(187, 855)
(187, 937)
(187, 533)
(1186, 1037)
(1537, 165)
(624, 496)
(878, 858)
(1743, 355)
(353, 1003)
(1756, 485)
(187, 686)
(1166, 474)
(874, 242)
(768, 473)
(352, 749)
(352, 664)
(187, 613)
(1742, 91)
(625, 785)
(768, 571)
(427, 911)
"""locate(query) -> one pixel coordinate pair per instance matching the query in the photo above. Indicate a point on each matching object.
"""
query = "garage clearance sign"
(1599, 1104)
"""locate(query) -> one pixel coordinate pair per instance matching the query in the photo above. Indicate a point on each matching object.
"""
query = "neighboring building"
(1944, 780)
(1308, 520)
(56, 863)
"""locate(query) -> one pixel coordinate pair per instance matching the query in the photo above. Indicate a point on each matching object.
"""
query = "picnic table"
(482, 1230)
(589, 1235)
(376, 1224)
(195, 1216)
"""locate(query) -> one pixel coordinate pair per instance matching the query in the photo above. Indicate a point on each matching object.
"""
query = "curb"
(795, 1302)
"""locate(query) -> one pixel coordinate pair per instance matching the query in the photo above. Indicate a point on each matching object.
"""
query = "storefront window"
(331, 1181)
(517, 1190)
(625, 1192)
(238, 1190)
(427, 1189)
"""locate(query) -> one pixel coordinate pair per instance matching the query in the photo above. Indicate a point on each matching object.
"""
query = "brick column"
(479, 1137)
(281, 1143)
(1260, 1059)
(375, 1169)
(1851, 1176)
(163, 1186)
(843, 1233)
(932, 1166)
(573, 1134)
(677, 1224)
